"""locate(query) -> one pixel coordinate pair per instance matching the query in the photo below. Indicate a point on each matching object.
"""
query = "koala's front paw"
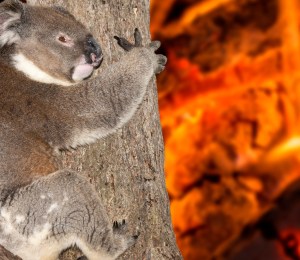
(120, 228)
(159, 60)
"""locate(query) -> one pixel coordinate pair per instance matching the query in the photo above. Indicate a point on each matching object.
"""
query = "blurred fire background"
(229, 103)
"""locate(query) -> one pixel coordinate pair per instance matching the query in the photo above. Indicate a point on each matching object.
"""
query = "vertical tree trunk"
(127, 167)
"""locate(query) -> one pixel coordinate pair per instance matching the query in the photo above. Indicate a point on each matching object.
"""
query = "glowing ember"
(290, 243)
(285, 150)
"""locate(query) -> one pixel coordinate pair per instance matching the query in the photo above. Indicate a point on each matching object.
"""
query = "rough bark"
(127, 167)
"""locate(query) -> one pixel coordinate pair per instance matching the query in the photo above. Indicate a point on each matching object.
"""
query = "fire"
(285, 150)
(289, 243)
(229, 104)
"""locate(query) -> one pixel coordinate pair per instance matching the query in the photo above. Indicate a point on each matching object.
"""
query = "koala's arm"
(120, 88)
(101, 105)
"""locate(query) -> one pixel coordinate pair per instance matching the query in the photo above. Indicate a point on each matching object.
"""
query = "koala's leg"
(55, 212)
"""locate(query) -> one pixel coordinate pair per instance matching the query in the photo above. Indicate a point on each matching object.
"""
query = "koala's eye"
(62, 39)
(65, 40)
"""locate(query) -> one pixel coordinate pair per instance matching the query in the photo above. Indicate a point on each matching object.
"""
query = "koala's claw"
(154, 45)
(138, 38)
(119, 227)
(126, 45)
(161, 61)
(132, 240)
(136, 236)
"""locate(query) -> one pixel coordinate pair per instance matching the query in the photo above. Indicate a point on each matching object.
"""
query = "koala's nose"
(93, 51)
(93, 46)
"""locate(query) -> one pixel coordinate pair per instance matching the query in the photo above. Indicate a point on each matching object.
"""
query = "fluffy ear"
(10, 17)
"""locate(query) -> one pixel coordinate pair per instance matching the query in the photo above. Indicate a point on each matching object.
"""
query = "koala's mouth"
(85, 67)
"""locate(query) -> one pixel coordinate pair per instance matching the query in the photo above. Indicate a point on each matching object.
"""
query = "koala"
(49, 102)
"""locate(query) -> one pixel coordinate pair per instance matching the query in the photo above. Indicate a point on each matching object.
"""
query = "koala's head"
(49, 44)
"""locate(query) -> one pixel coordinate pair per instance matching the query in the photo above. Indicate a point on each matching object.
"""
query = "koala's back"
(23, 155)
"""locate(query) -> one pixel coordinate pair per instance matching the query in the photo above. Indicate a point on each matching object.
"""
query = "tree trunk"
(126, 167)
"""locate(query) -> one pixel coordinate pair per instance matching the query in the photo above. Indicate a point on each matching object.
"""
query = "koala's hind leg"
(55, 212)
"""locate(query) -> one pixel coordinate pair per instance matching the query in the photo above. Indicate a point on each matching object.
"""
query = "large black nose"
(93, 51)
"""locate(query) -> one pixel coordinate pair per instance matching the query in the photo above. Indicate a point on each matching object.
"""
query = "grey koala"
(49, 104)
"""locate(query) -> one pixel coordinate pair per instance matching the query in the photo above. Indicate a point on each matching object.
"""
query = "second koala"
(48, 104)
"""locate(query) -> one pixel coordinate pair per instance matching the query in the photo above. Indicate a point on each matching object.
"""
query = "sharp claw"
(154, 45)
(138, 37)
(126, 45)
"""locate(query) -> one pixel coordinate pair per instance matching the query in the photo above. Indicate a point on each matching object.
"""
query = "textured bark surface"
(127, 167)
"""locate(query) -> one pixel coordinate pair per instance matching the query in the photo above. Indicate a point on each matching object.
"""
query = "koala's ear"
(11, 12)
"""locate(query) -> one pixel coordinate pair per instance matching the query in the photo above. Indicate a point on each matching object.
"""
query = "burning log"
(276, 235)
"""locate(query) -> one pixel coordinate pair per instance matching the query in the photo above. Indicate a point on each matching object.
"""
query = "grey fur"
(45, 209)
